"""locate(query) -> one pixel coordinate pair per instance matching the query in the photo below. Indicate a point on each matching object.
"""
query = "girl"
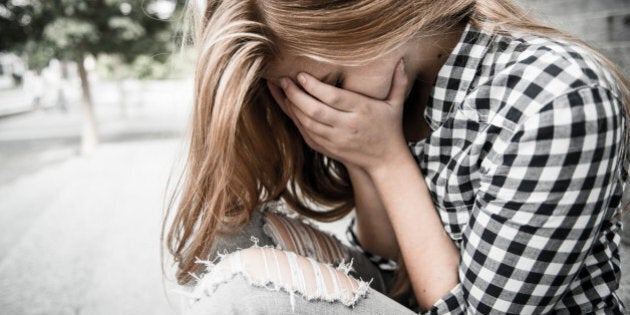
(483, 151)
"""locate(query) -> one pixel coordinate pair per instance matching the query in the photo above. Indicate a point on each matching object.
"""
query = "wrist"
(397, 160)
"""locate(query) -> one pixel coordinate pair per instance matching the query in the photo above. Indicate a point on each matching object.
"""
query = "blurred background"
(94, 101)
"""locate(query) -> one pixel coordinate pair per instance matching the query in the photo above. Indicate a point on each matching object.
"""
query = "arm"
(374, 230)
(428, 252)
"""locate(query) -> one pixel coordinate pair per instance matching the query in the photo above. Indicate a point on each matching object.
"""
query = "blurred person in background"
(34, 87)
(58, 82)
(484, 153)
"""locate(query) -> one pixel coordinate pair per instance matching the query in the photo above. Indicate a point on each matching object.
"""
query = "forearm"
(428, 252)
(374, 230)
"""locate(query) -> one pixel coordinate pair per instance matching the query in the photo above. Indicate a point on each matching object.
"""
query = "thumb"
(399, 85)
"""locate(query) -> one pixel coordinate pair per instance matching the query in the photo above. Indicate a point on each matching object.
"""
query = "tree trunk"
(89, 135)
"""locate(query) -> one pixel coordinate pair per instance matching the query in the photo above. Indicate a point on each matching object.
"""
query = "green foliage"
(127, 29)
(38, 55)
(146, 67)
(69, 37)
(72, 29)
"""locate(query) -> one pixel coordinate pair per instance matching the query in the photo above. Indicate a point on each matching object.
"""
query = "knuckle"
(403, 83)
(315, 112)
(290, 90)
(335, 98)
(361, 110)
(403, 78)
(353, 125)
(308, 124)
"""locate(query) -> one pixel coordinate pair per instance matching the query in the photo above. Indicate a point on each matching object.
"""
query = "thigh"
(271, 281)
(269, 227)
(239, 297)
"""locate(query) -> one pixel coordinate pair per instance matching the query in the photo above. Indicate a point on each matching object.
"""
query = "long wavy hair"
(243, 150)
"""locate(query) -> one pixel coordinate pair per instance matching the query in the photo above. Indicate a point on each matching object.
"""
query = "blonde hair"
(243, 150)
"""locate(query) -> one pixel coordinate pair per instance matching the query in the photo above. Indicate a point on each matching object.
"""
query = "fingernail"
(401, 65)
(301, 78)
(284, 82)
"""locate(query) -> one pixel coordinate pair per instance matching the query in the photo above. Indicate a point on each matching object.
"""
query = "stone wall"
(605, 24)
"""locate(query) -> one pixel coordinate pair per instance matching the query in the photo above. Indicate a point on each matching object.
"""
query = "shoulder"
(522, 75)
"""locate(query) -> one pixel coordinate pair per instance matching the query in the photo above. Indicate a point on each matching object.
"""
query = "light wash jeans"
(281, 265)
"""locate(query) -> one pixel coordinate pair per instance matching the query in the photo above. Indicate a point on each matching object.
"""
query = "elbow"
(440, 287)
(378, 246)
(429, 297)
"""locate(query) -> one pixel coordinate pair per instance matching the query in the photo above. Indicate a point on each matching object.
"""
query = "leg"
(273, 229)
(257, 280)
(304, 239)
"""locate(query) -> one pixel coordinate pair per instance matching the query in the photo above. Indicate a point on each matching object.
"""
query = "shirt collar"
(456, 75)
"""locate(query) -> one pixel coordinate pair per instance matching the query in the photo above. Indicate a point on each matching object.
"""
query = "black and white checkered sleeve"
(546, 189)
(380, 262)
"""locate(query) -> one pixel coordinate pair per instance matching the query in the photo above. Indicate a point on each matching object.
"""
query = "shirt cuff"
(452, 303)
(381, 262)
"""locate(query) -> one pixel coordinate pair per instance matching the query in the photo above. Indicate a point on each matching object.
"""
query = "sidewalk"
(14, 101)
(82, 237)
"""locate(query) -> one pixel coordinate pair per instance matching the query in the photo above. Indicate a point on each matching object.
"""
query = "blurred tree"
(73, 29)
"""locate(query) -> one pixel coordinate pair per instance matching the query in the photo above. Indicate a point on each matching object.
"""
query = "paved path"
(82, 236)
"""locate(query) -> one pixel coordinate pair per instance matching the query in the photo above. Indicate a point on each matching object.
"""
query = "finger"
(310, 125)
(308, 104)
(277, 94)
(399, 85)
(312, 143)
(310, 140)
(326, 93)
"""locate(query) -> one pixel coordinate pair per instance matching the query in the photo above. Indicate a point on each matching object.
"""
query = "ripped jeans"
(281, 265)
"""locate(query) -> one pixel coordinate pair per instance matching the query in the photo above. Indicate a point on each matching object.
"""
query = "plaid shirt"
(525, 165)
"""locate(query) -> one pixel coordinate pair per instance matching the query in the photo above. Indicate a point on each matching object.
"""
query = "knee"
(296, 236)
(290, 272)
(277, 270)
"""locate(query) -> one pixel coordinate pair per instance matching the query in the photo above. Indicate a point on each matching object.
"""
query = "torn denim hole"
(279, 270)
(294, 235)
